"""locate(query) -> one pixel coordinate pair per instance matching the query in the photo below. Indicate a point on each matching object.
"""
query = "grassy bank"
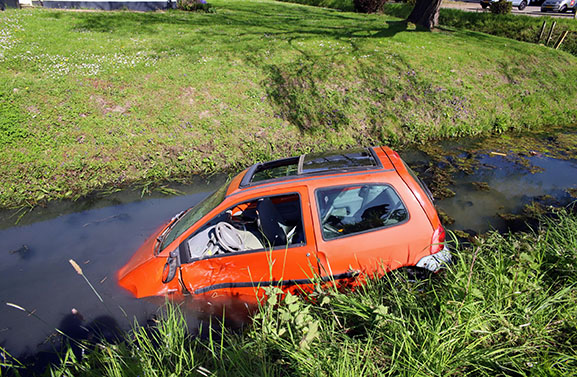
(94, 100)
(521, 28)
(507, 307)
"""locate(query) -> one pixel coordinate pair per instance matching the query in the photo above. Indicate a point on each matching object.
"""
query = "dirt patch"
(188, 95)
(33, 109)
(109, 107)
(204, 114)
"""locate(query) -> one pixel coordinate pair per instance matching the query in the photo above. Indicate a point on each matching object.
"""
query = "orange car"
(333, 216)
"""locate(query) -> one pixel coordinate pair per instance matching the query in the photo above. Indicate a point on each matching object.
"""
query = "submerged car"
(336, 217)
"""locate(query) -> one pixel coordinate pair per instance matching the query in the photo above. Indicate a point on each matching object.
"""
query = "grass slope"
(506, 307)
(518, 27)
(93, 100)
(514, 26)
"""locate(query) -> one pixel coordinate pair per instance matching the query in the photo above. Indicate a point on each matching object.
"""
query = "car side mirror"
(169, 270)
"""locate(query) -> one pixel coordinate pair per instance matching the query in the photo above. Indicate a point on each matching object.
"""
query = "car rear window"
(347, 210)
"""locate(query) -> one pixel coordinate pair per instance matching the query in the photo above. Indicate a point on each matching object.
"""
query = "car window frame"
(264, 249)
(420, 182)
(220, 193)
(319, 217)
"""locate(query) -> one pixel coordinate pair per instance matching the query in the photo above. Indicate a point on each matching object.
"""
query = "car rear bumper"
(435, 262)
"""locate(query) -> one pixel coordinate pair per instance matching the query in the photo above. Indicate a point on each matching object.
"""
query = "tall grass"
(507, 306)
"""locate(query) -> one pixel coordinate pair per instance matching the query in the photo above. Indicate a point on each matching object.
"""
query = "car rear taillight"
(438, 240)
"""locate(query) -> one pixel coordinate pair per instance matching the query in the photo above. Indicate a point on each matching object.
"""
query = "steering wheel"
(228, 237)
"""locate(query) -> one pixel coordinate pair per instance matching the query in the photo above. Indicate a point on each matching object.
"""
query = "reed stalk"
(79, 271)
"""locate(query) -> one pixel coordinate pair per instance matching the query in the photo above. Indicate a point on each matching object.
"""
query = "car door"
(368, 227)
(246, 272)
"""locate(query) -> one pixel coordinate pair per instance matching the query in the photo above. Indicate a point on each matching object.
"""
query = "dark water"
(102, 234)
(509, 183)
(511, 187)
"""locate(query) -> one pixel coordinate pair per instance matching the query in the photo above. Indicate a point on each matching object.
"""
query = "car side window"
(258, 224)
(346, 210)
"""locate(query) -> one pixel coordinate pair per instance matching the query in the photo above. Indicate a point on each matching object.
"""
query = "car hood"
(142, 275)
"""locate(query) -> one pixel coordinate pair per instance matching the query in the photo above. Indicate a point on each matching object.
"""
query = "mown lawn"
(98, 100)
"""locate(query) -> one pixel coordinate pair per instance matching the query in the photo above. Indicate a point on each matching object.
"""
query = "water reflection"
(36, 275)
(500, 185)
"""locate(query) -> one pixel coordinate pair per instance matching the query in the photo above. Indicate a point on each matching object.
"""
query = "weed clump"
(194, 6)
(501, 7)
(368, 6)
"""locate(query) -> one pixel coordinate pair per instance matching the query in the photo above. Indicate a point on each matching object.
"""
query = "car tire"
(484, 6)
(563, 9)
(523, 5)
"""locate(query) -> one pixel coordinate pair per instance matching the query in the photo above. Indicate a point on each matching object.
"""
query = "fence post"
(561, 39)
(550, 33)
(542, 31)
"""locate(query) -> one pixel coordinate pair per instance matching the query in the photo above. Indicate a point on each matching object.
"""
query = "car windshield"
(193, 215)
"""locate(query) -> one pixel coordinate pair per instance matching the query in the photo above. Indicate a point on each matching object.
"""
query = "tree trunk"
(425, 13)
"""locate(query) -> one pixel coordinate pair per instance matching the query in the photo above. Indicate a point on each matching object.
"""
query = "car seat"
(272, 224)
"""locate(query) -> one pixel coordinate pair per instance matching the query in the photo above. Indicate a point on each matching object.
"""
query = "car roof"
(297, 169)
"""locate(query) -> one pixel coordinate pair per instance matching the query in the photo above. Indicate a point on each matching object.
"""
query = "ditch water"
(482, 180)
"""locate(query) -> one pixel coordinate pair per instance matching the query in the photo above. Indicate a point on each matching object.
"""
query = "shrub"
(194, 5)
(369, 6)
(501, 7)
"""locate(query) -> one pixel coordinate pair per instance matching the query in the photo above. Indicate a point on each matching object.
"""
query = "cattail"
(76, 267)
(16, 306)
(81, 273)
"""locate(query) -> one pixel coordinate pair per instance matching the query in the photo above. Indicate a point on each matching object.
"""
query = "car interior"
(260, 224)
(352, 209)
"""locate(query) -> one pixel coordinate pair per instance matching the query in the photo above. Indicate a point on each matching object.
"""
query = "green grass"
(97, 100)
(506, 307)
(345, 5)
(518, 27)
(521, 28)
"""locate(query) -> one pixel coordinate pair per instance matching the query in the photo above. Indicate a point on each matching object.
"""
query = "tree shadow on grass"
(239, 20)
(298, 86)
